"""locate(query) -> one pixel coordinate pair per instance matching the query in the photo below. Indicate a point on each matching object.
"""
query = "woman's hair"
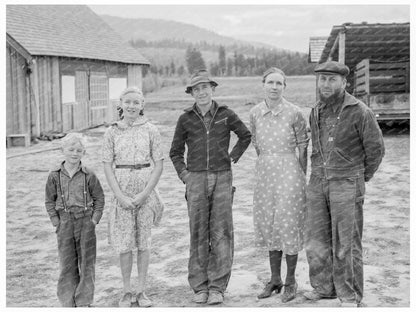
(124, 93)
(272, 70)
(71, 139)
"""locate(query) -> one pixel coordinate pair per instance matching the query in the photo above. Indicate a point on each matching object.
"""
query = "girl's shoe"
(290, 292)
(125, 300)
(268, 290)
(143, 300)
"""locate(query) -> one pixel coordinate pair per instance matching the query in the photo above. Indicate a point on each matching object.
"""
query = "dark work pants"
(209, 197)
(77, 254)
(334, 233)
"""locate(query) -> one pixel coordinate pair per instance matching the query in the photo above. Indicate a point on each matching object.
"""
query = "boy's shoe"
(143, 300)
(349, 305)
(314, 295)
(125, 300)
(200, 297)
(215, 297)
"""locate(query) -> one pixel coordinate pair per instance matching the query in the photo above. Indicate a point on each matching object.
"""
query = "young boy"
(74, 200)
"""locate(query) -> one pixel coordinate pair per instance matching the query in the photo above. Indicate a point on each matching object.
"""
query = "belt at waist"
(277, 153)
(136, 167)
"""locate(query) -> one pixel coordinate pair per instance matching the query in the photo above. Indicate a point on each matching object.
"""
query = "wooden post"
(35, 86)
(367, 79)
(341, 48)
(56, 95)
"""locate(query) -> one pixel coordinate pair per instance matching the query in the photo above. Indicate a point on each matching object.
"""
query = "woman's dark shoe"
(290, 292)
(268, 290)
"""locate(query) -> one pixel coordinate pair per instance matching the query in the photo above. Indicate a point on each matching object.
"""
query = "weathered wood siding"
(134, 77)
(34, 102)
(47, 86)
(17, 93)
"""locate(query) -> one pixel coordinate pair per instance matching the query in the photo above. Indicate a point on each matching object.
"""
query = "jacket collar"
(214, 106)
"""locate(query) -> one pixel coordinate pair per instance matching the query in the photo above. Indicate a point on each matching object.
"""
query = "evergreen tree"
(172, 68)
(221, 61)
(194, 60)
(181, 70)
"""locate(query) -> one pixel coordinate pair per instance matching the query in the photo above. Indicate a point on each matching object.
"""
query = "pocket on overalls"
(233, 189)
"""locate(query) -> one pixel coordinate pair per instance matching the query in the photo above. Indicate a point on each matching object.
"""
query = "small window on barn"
(116, 86)
(68, 89)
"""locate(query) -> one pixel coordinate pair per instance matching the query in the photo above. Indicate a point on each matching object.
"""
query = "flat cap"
(332, 67)
(199, 77)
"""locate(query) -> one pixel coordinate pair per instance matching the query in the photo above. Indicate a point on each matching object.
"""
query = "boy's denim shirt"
(358, 146)
(73, 189)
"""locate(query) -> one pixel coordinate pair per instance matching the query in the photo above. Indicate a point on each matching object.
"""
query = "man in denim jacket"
(205, 129)
(347, 148)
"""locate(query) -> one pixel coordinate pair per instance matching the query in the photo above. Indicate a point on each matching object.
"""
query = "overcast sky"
(284, 26)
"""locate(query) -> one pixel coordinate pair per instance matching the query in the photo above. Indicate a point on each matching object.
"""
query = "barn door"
(98, 105)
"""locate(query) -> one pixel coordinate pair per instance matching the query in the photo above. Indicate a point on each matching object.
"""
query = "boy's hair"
(71, 139)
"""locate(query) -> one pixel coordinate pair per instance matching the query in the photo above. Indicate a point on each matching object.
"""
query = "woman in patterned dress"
(278, 128)
(133, 164)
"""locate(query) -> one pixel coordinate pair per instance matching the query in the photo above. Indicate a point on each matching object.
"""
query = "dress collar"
(138, 122)
(265, 109)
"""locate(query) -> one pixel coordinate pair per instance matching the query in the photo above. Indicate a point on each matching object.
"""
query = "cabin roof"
(378, 42)
(68, 31)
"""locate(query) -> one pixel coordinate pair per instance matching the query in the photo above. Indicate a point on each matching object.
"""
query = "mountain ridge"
(150, 29)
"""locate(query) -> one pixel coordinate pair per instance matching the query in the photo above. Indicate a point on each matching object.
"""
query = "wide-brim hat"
(332, 67)
(199, 77)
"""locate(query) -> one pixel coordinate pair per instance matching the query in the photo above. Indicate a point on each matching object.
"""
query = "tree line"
(231, 61)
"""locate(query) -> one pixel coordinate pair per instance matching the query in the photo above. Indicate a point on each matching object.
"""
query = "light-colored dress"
(279, 209)
(139, 143)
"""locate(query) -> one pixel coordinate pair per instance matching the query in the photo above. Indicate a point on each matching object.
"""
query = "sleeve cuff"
(96, 216)
(55, 220)
(182, 174)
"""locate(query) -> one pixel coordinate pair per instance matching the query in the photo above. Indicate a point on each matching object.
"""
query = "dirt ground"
(32, 258)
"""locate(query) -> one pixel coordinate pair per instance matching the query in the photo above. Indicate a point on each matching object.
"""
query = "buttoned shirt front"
(328, 118)
(73, 188)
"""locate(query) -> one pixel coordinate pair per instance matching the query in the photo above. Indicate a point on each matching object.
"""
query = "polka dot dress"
(279, 196)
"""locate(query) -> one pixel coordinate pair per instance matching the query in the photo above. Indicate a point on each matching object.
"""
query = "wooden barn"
(378, 56)
(65, 67)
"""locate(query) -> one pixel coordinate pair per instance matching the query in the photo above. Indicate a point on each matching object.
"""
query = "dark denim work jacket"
(358, 143)
(208, 146)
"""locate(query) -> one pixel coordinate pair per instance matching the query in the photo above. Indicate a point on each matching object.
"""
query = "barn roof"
(316, 46)
(378, 42)
(68, 31)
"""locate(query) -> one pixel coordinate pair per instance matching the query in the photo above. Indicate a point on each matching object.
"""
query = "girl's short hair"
(71, 139)
(273, 70)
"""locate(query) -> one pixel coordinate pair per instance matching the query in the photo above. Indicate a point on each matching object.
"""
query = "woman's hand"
(126, 202)
(139, 199)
